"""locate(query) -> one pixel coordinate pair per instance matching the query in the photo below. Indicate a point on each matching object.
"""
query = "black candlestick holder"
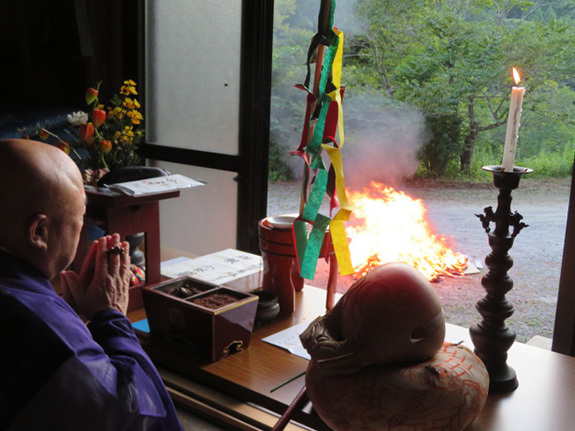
(491, 337)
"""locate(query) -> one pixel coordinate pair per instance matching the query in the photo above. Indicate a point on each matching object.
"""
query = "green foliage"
(451, 60)
(278, 163)
(484, 155)
(293, 30)
(439, 152)
(556, 164)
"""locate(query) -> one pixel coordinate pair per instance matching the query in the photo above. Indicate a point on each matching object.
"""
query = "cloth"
(56, 373)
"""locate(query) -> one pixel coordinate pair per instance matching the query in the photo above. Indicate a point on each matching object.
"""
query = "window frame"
(251, 162)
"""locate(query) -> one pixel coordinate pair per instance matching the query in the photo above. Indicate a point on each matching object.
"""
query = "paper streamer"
(324, 113)
(337, 227)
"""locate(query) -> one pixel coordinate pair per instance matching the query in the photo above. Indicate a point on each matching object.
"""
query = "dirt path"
(537, 251)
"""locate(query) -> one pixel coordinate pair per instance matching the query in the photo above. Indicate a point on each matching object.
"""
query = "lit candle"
(513, 124)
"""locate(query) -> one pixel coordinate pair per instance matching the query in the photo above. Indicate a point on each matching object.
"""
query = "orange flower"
(63, 145)
(108, 133)
(86, 131)
(43, 134)
(91, 95)
(98, 117)
(106, 146)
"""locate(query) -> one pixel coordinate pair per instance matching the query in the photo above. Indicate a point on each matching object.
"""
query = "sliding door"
(207, 79)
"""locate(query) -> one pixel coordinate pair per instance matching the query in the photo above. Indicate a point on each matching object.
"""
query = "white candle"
(512, 125)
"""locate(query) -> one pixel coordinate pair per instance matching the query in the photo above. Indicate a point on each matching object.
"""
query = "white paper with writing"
(155, 185)
(232, 268)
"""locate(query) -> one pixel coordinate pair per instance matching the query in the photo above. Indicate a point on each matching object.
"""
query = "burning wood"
(391, 226)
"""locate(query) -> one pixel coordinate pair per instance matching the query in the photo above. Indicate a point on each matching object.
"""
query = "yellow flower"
(129, 103)
(116, 125)
(128, 88)
(114, 112)
(127, 136)
(135, 116)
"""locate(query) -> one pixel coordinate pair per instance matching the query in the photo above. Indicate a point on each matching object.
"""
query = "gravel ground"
(537, 251)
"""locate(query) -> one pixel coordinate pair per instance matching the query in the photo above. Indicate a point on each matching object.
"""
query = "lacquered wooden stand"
(126, 215)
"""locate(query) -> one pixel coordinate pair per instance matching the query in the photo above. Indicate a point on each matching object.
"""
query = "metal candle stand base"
(491, 337)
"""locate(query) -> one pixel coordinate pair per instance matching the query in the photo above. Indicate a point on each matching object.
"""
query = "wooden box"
(213, 320)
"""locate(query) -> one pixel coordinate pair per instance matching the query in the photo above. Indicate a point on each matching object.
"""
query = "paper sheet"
(155, 185)
(288, 339)
(232, 268)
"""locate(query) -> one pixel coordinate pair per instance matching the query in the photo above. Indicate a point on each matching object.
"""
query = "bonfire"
(391, 226)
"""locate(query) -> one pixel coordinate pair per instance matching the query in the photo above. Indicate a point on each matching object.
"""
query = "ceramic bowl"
(268, 306)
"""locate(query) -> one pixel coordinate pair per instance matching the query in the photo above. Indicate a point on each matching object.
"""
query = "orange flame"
(516, 76)
(390, 226)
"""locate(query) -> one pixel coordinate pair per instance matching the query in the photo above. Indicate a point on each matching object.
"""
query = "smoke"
(347, 20)
(382, 140)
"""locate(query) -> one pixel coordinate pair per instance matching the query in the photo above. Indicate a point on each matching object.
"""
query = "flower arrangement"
(105, 137)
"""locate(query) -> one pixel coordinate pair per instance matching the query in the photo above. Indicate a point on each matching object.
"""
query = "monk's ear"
(38, 231)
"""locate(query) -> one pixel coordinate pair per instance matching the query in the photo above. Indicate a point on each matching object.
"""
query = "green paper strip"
(330, 56)
(324, 100)
(317, 162)
(311, 255)
(322, 11)
(314, 146)
(308, 249)
(331, 13)
(316, 196)
(300, 235)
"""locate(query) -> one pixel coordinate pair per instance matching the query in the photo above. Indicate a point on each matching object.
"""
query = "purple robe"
(56, 373)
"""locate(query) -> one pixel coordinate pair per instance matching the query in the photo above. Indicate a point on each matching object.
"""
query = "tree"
(293, 30)
(452, 59)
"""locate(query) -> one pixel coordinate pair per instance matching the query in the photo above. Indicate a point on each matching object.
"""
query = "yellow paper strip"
(337, 163)
(336, 226)
(336, 94)
(340, 246)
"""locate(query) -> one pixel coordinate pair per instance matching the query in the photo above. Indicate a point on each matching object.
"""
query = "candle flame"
(516, 76)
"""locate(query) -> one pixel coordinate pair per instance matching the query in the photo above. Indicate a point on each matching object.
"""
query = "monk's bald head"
(34, 178)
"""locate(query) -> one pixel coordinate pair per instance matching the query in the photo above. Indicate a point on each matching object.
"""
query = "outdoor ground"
(537, 251)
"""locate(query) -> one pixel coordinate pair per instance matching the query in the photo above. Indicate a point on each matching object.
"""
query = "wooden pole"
(331, 282)
(296, 404)
(323, 22)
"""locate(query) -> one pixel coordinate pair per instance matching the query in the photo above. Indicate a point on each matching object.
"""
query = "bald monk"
(56, 372)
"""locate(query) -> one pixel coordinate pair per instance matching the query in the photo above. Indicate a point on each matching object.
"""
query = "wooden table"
(126, 215)
(229, 389)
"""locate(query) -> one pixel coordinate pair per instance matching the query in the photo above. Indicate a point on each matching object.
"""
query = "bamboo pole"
(323, 22)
